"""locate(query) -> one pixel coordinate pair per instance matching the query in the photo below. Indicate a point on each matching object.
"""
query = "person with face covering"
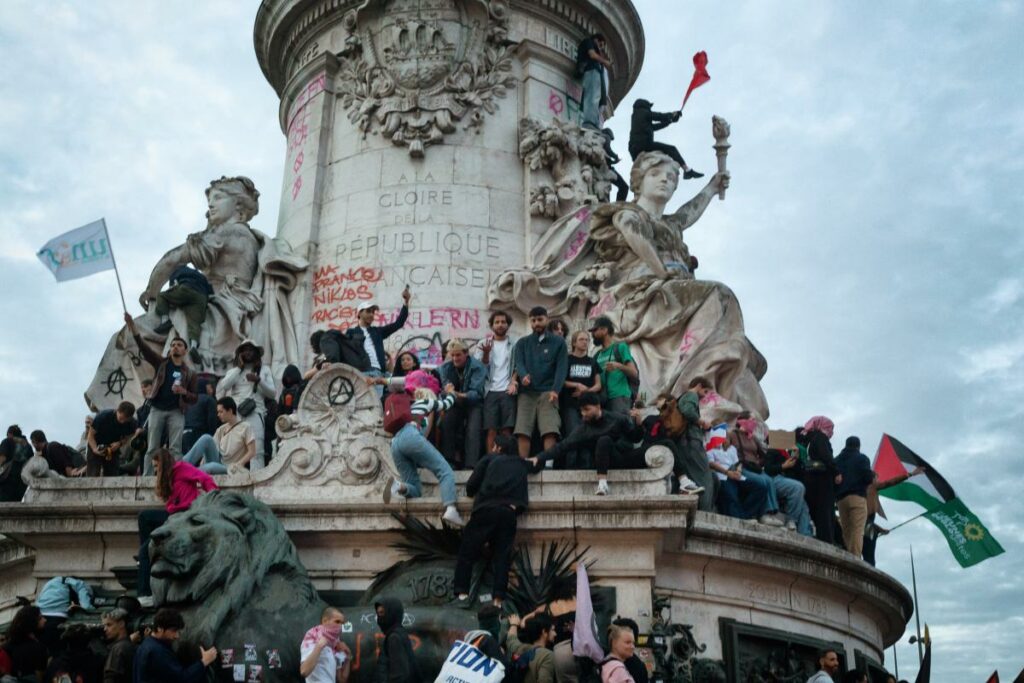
(396, 662)
(820, 476)
(250, 379)
(642, 125)
(325, 659)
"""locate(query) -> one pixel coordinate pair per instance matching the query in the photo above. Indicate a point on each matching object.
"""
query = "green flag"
(968, 538)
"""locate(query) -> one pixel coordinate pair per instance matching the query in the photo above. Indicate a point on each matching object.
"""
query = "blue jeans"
(791, 493)
(206, 449)
(592, 87)
(411, 450)
(772, 504)
(745, 499)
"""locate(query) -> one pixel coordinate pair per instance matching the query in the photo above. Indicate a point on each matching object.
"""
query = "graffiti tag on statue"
(340, 392)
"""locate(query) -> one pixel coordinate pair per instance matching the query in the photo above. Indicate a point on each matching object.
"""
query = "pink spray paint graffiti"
(298, 128)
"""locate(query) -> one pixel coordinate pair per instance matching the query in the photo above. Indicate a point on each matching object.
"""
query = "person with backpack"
(619, 375)
(396, 662)
(622, 644)
(498, 485)
(532, 660)
(477, 657)
(56, 600)
(408, 417)
(292, 385)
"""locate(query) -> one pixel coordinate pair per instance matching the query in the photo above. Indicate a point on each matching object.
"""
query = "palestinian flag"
(967, 537)
(928, 489)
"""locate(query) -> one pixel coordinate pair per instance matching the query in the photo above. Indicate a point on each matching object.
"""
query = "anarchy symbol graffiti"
(135, 358)
(116, 382)
(340, 392)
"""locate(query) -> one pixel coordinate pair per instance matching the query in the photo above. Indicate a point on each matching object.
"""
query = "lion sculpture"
(229, 566)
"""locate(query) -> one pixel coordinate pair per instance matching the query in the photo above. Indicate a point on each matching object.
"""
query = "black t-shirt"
(58, 457)
(583, 370)
(165, 398)
(637, 669)
(119, 660)
(108, 430)
(583, 58)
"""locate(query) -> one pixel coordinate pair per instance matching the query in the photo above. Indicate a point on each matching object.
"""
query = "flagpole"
(891, 529)
(917, 609)
(896, 661)
(117, 274)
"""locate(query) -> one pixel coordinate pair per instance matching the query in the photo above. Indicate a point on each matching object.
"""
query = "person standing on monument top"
(373, 336)
(591, 63)
(618, 369)
(464, 378)
(495, 352)
(540, 363)
(175, 387)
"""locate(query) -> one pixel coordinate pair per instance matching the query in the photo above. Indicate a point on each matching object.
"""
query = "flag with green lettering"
(968, 538)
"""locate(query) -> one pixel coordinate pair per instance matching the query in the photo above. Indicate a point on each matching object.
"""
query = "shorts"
(499, 410)
(535, 410)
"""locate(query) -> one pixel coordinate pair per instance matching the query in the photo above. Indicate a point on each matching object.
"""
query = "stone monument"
(252, 276)
(403, 162)
(436, 143)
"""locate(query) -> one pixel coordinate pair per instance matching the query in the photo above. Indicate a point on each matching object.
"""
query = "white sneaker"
(452, 516)
(770, 520)
(146, 600)
(396, 490)
(687, 485)
(602, 487)
(791, 525)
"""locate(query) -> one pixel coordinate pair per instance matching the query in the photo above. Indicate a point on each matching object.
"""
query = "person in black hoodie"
(498, 484)
(852, 494)
(201, 416)
(642, 125)
(396, 662)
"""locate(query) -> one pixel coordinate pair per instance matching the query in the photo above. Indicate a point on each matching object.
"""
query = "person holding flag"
(641, 135)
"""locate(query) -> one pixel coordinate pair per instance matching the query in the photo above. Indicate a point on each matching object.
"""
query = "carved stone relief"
(567, 163)
(334, 438)
(414, 70)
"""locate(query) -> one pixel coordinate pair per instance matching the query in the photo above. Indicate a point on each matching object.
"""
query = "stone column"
(402, 163)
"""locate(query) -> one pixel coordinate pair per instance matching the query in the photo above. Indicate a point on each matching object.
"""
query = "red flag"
(994, 678)
(700, 74)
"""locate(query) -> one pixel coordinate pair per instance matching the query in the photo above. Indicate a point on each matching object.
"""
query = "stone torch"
(720, 129)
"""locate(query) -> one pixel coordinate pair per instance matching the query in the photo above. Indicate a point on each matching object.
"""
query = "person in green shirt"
(618, 368)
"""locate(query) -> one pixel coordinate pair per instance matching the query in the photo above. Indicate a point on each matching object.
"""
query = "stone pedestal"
(403, 164)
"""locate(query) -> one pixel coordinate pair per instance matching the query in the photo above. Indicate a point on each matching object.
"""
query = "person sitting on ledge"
(230, 448)
(783, 493)
(738, 496)
(501, 493)
(610, 436)
(57, 455)
(642, 125)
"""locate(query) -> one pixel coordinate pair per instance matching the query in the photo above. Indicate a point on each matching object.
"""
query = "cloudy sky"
(871, 233)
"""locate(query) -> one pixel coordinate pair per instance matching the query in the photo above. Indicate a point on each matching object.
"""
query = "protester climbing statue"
(250, 278)
(628, 261)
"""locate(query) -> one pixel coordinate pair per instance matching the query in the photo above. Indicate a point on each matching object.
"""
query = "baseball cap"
(366, 305)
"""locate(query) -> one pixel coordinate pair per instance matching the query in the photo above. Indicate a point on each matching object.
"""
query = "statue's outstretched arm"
(639, 238)
(690, 212)
(162, 271)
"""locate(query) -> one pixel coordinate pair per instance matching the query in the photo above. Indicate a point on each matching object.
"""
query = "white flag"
(584, 632)
(78, 253)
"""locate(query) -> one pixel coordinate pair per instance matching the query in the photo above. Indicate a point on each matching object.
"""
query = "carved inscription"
(767, 593)
(384, 246)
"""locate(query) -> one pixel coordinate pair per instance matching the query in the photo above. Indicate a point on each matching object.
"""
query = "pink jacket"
(614, 671)
(186, 484)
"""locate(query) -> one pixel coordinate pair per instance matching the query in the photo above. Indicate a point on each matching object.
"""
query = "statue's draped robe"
(261, 311)
(606, 262)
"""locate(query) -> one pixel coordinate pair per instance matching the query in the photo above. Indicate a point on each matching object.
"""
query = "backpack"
(634, 384)
(349, 347)
(397, 411)
(519, 667)
(289, 400)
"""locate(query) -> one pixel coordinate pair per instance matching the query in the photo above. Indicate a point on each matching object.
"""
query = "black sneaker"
(689, 175)
(164, 327)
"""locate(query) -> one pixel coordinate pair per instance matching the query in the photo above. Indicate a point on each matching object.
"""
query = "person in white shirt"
(495, 352)
(230, 448)
(828, 665)
(738, 496)
(324, 658)
(250, 379)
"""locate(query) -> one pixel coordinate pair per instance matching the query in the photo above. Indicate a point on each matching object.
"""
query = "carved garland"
(416, 106)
